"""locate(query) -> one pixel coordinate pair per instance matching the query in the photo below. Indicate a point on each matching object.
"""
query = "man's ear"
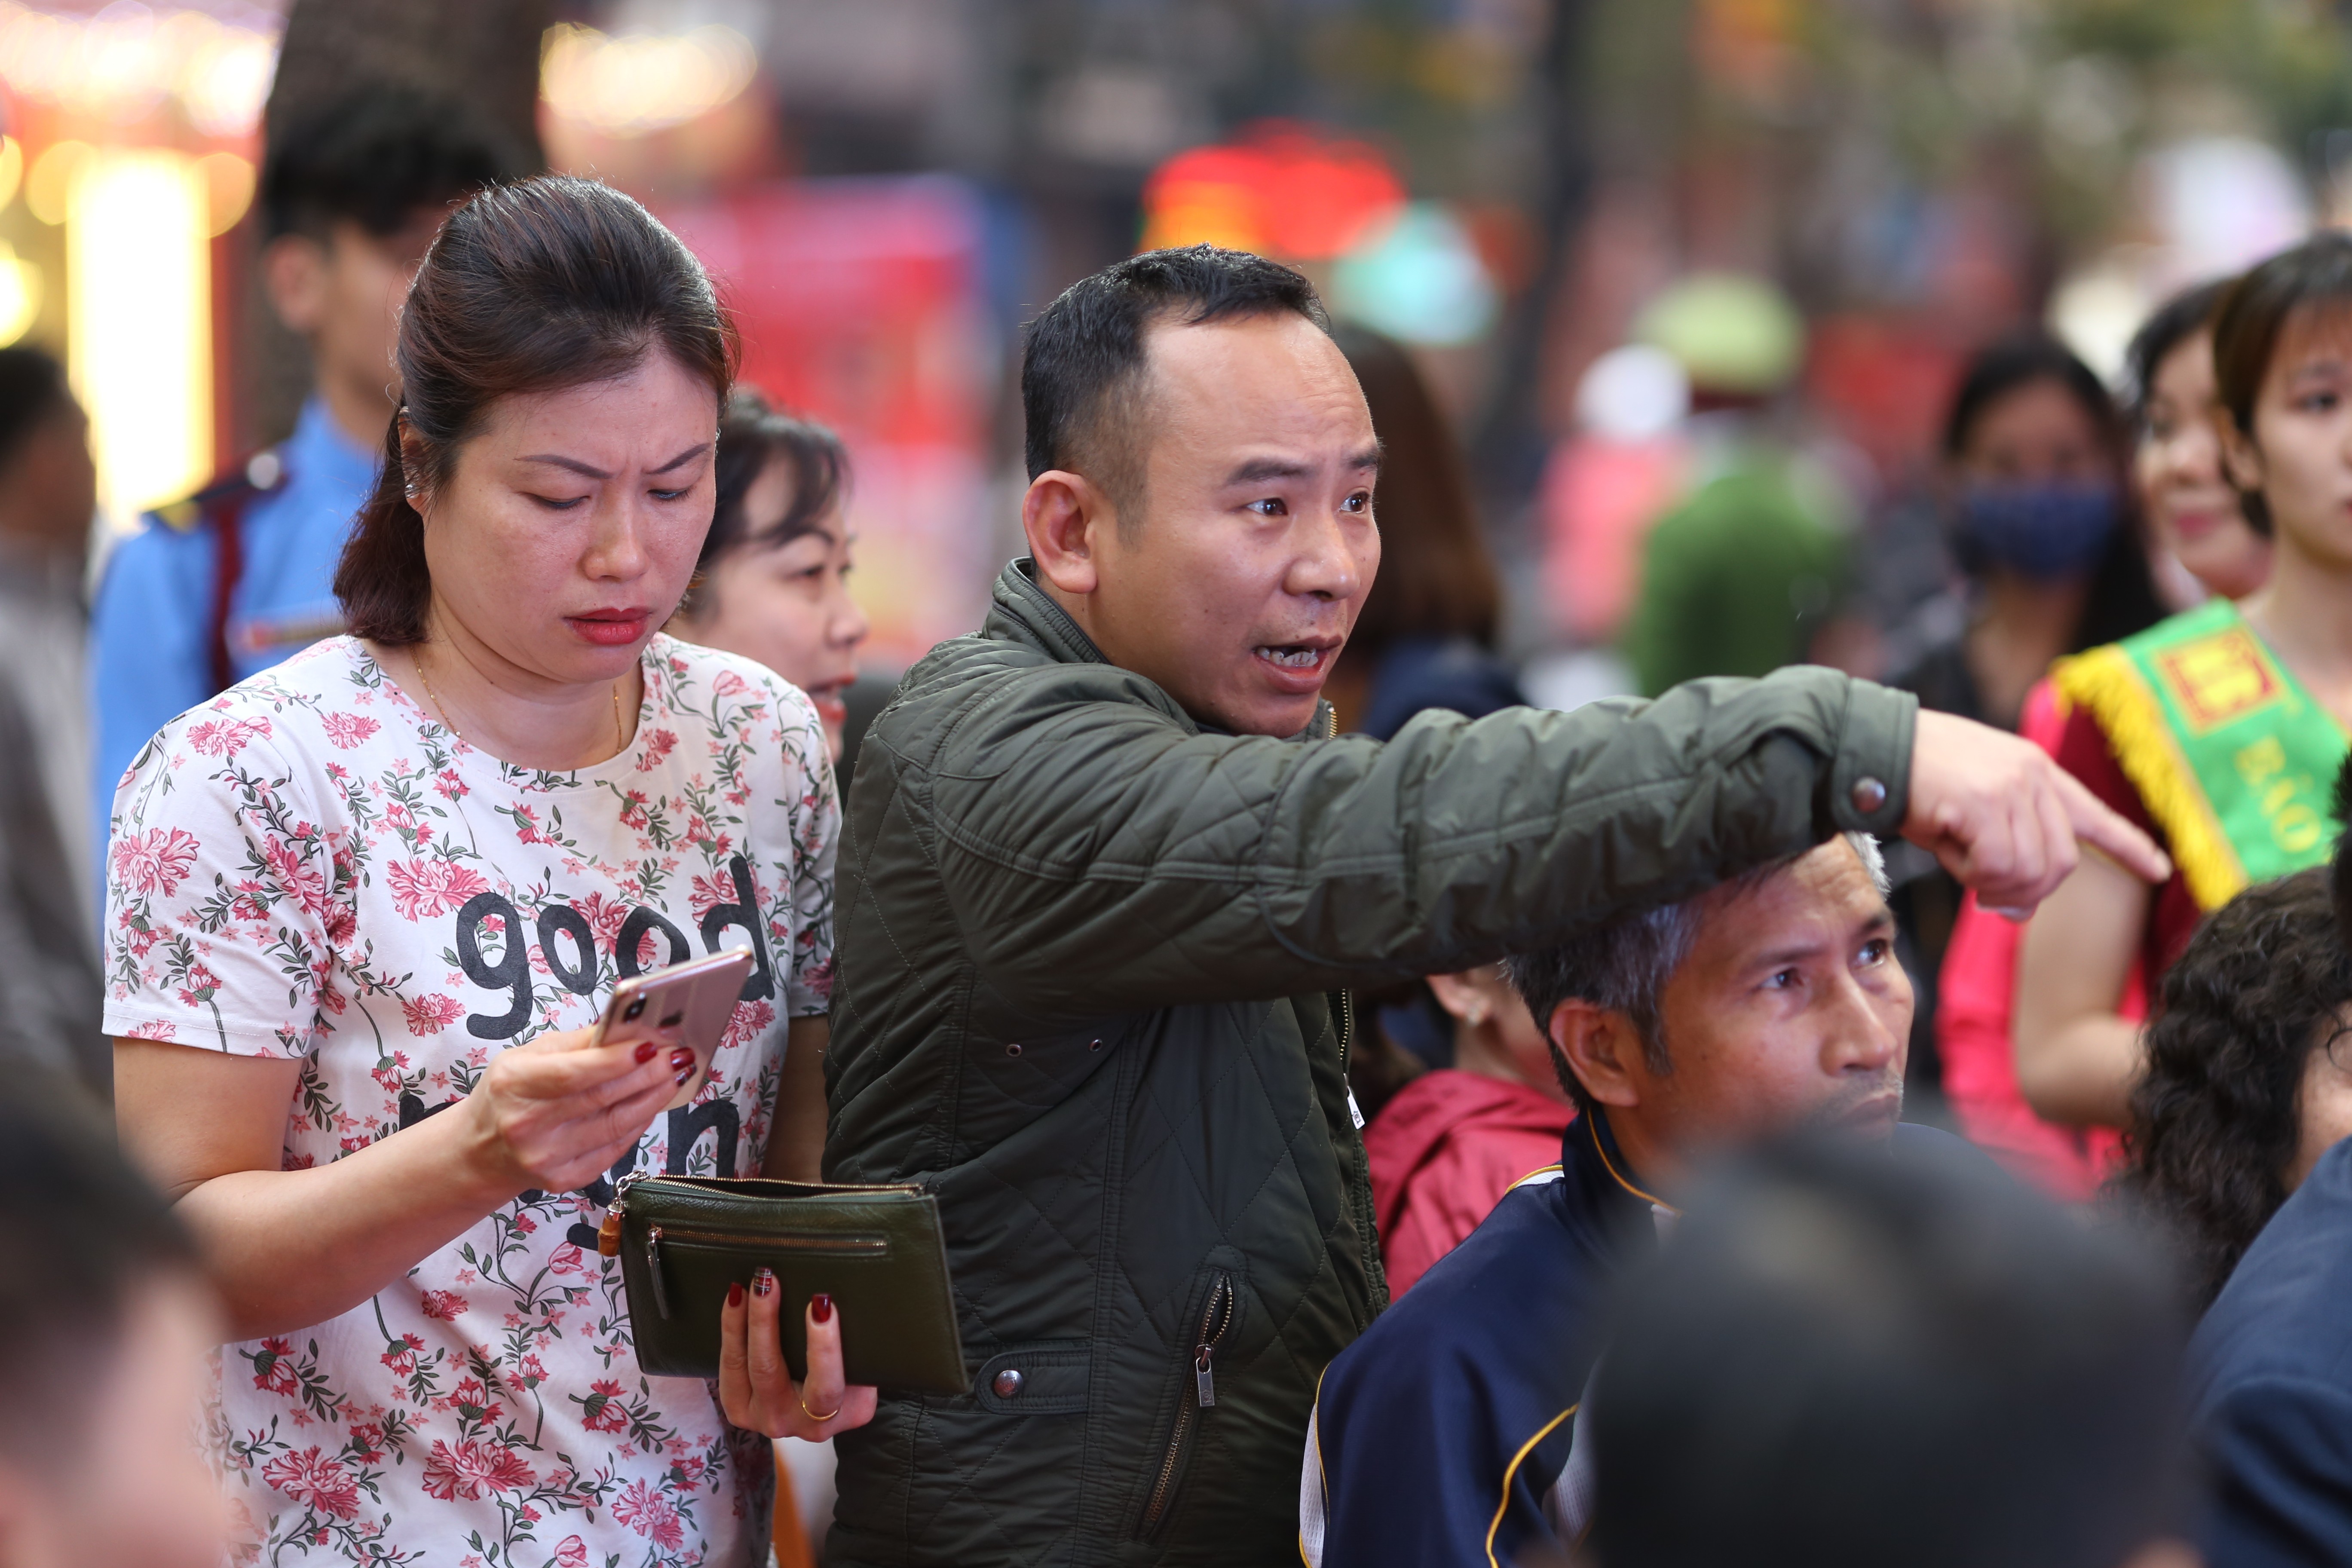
(1602, 1049)
(1066, 517)
(294, 272)
(2242, 460)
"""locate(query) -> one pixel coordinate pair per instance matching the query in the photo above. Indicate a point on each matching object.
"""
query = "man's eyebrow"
(588, 470)
(1257, 470)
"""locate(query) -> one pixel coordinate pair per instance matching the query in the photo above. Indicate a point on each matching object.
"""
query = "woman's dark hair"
(2122, 597)
(533, 287)
(1436, 576)
(2174, 322)
(751, 435)
(2216, 1119)
(2254, 311)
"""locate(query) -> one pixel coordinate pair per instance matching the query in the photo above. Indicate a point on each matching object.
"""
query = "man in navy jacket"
(1446, 1436)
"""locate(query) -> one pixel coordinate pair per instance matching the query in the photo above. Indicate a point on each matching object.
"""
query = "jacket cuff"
(1870, 780)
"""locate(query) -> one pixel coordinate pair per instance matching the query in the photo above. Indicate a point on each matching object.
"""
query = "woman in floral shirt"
(362, 908)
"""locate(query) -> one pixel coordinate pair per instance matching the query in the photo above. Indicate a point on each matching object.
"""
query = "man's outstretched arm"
(1099, 857)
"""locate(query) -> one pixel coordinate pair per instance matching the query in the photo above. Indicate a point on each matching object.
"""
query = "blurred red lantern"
(1283, 189)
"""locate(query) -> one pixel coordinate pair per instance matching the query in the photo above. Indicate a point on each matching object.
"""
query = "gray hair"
(1623, 966)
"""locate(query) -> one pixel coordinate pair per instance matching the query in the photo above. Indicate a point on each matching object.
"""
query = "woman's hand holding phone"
(556, 1113)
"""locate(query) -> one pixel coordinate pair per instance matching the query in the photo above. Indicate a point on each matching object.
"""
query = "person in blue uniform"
(235, 577)
(1447, 1436)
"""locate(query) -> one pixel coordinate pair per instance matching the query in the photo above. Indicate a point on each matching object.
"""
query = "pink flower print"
(528, 1371)
(473, 1468)
(475, 1402)
(367, 1438)
(315, 1481)
(449, 785)
(402, 1355)
(603, 1411)
(301, 876)
(707, 892)
(226, 737)
(432, 1013)
(571, 1552)
(568, 1261)
(526, 827)
(445, 1305)
(201, 984)
(729, 684)
(633, 809)
(421, 889)
(157, 860)
(658, 746)
(650, 1514)
(156, 1031)
(750, 1020)
(605, 917)
(346, 730)
(273, 1369)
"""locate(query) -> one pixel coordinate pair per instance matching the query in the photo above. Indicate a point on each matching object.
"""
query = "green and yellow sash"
(2233, 758)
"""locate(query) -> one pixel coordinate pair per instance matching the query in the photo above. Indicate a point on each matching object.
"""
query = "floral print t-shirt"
(310, 867)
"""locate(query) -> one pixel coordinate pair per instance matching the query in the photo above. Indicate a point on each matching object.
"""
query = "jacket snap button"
(1869, 795)
(1012, 1050)
(1094, 1045)
(1008, 1382)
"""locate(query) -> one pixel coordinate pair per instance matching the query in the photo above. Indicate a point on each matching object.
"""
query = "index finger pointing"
(2097, 825)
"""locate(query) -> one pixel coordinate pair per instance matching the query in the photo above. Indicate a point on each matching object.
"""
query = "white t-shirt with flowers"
(310, 867)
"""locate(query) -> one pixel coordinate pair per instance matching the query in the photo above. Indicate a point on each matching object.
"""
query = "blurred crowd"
(1626, 1002)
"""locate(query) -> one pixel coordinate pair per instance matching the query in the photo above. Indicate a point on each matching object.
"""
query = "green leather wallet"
(877, 1251)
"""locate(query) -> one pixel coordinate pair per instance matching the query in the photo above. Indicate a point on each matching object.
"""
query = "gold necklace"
(417, 660)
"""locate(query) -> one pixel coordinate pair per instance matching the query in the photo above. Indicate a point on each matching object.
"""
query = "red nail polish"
(645, 1052)
(735, 1293)
(684, 1074)
(681, 1058)
(820, 1308)
(763, 1283)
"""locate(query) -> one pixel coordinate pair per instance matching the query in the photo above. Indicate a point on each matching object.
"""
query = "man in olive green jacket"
(1107, 877)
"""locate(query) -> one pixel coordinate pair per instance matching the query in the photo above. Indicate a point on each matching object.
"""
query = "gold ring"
(813, 1416)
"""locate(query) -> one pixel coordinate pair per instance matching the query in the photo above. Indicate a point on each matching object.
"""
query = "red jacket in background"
(1444, 1152)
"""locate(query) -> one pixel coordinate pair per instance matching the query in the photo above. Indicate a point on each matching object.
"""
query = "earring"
(1478, 1014)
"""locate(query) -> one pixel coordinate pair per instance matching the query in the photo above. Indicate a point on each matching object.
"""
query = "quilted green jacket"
(1092, 964)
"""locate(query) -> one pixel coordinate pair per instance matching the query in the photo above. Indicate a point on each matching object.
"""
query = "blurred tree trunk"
(485, 52)
(1510, 440)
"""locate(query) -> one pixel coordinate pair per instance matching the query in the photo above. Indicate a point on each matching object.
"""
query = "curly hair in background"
(2216, 1122)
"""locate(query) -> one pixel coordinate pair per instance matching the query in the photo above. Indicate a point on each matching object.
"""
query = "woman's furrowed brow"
(590, 471)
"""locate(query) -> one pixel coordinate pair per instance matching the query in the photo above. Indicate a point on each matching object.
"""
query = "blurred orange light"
(1282, 190)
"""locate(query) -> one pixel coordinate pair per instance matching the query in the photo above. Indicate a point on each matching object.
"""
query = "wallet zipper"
(834, 1246)
(1216, 1318)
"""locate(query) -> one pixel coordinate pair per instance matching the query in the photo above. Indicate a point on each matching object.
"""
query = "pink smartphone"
(697, 998)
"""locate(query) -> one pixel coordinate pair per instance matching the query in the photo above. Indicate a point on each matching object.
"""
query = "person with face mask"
(2037, 522)
(2222, 728)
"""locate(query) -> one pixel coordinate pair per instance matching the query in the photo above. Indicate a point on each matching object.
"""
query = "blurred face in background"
(2178, 466)
(2299, 455)
(2037, 484)
(786, 606)
(343, 293)
(118, 1479)
(48, 489)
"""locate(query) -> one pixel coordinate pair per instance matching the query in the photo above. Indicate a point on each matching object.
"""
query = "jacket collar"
(1602, 1195)
(1021, 611)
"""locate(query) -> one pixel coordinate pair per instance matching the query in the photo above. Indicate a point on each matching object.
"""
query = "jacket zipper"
(1216, 1317)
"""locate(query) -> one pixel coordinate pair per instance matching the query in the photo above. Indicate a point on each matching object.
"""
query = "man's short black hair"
(1083, 363)
(32, 389)
(81, 1232)
(376, 157)
(1844, 1360)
